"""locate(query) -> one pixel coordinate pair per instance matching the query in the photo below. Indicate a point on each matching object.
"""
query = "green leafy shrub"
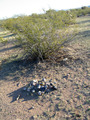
(41, 35)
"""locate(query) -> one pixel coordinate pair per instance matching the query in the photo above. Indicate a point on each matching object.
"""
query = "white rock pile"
(40, 87)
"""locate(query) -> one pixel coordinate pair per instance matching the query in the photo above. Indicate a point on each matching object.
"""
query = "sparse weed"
(2, 40)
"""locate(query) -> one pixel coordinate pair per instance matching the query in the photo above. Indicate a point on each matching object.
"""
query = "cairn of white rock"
(39, 87)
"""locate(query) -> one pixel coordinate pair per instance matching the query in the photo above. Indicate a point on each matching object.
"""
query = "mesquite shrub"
(40, 35)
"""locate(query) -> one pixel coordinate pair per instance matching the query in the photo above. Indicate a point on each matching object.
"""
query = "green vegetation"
(2, 40)
(41, 35)
(81, 12)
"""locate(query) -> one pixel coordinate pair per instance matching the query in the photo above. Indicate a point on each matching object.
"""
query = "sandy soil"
(72, 98)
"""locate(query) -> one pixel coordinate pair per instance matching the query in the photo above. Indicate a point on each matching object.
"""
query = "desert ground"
(70, 101)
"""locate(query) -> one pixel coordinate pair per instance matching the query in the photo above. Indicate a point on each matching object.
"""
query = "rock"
(24, 88)
(50, 80)
(39, 87)
(47, 91)
(54, 82)
(35, 81)
(53, 88)
(28, 89)
(33, 117)
(39, 93)
(65, 59)
(32, 107)
(18, 97)
(42, 88)
(18, 84)
(44, 79)
(33, 91)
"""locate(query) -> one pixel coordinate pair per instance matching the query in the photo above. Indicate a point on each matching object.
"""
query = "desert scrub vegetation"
(81, 11)
(41, 35)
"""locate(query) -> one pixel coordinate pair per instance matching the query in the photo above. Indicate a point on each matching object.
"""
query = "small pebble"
(44, 79)
(18, 97)
(32, 107)
(42, 88)
(50, 80)
(28, 89)
(35, 81)
(33, 91)
(39, 86)
(17, 84)
(54, 82)
(39, 93)
(24, 88)
(65, 59)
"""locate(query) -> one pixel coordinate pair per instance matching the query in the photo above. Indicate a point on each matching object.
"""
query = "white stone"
(65, 59)
(33, 91)
(39, 93)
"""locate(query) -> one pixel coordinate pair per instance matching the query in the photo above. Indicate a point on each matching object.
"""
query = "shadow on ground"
(23, 95)
(6, 36)
(84, 22)
(15, 69)
(10, 48)
(85, 33)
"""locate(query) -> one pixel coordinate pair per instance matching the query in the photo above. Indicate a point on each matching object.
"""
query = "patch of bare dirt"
(71, 74)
